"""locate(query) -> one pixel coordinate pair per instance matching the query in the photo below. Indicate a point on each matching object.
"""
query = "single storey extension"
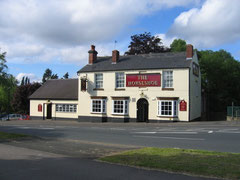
(55, 99)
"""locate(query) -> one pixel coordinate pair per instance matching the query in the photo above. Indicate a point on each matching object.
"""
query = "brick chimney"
(115, 56)
(189, 52)
(92, 55)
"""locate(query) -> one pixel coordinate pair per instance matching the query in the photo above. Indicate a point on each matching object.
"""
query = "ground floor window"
(98, 106)
(66, 108)
(167, 108)
(120, 107)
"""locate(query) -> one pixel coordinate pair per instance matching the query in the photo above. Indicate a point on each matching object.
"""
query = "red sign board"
(183, 105)
(143, 80)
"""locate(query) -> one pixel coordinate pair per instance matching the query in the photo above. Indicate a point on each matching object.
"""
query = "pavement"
(68, 149)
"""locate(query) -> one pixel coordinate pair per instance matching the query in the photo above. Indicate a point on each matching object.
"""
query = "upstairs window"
(167, 79)
(99, 81)
(120, 80)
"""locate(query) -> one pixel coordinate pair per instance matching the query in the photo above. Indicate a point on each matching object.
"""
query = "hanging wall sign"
(183, 105)
(143, 80)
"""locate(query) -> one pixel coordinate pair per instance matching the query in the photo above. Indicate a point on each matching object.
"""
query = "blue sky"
(56, 34)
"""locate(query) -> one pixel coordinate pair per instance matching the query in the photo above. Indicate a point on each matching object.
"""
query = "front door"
(49, 111)
(142, 110)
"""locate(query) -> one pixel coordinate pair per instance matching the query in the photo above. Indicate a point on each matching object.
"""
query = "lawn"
(11, 136)
(196, 162)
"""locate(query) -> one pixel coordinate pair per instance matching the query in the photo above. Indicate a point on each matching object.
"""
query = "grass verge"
(12, 136)
(197, 162)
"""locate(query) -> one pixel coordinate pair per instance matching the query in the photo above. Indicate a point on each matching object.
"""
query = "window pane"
(167, 79)
(99, 80)
(119, 80)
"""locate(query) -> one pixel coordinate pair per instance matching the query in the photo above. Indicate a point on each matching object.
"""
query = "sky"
(57, 34)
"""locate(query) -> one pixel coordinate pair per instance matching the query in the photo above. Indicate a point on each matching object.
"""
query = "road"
(217, 136)
(67, 150)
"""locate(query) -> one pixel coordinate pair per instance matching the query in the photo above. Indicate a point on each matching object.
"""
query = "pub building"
(151, 87)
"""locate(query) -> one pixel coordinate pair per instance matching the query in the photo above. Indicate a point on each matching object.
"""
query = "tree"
(20, 102)
(3, 65)
(8, 84)
(25, 80)
(6, 92)
(48, 75)
(178, 45)
(145, 44)
(66, 76)
(220, 74)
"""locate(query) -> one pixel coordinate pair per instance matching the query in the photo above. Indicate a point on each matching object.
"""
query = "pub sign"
(183, 105)
(143, 80)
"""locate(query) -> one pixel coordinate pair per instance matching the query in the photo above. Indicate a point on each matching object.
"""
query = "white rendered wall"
(34, 108)
(180, 85)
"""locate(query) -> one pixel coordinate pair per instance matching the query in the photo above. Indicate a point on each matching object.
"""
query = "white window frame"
(119, 80)
(174, 107)
(102, 108)
(98, 81)
(65, 108)
(124, 108)
(167, 82)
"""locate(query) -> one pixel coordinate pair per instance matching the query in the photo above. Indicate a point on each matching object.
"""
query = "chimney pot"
(92, 55)
(115, 56)
(189, 51)
(92, 47)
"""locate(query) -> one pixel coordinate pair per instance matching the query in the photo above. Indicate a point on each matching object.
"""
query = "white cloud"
(74, 21)
(215, 23)
(166, 40)
(31, 76)
(42, 30)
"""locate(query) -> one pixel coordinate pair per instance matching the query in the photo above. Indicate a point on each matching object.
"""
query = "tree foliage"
(8, 84)
(220, 78)
(144, 44)
(25, 80)
(178, 45)
(3, 65)
(66, 76)
(48, 75)
(20, 102)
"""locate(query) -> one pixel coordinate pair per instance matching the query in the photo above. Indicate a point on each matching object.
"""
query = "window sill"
(98, 89)
(167, 116)
(167, 89)
(98, 113)
(119, 114)
(119, 89)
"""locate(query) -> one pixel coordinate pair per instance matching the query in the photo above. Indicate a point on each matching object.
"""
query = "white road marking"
(43, 128)
(178, 132)
(119, 129)
(168, 132)
(210, 132)
(145, 132)
(177, 138)
(25, 127)
(46, 128)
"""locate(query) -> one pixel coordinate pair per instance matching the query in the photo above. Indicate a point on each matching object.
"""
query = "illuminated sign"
(143, 80)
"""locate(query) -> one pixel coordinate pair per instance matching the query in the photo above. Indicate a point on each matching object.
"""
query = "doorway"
(142, 110)
(49, 111)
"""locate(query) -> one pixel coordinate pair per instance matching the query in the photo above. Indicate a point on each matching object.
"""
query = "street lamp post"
(8, 109)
